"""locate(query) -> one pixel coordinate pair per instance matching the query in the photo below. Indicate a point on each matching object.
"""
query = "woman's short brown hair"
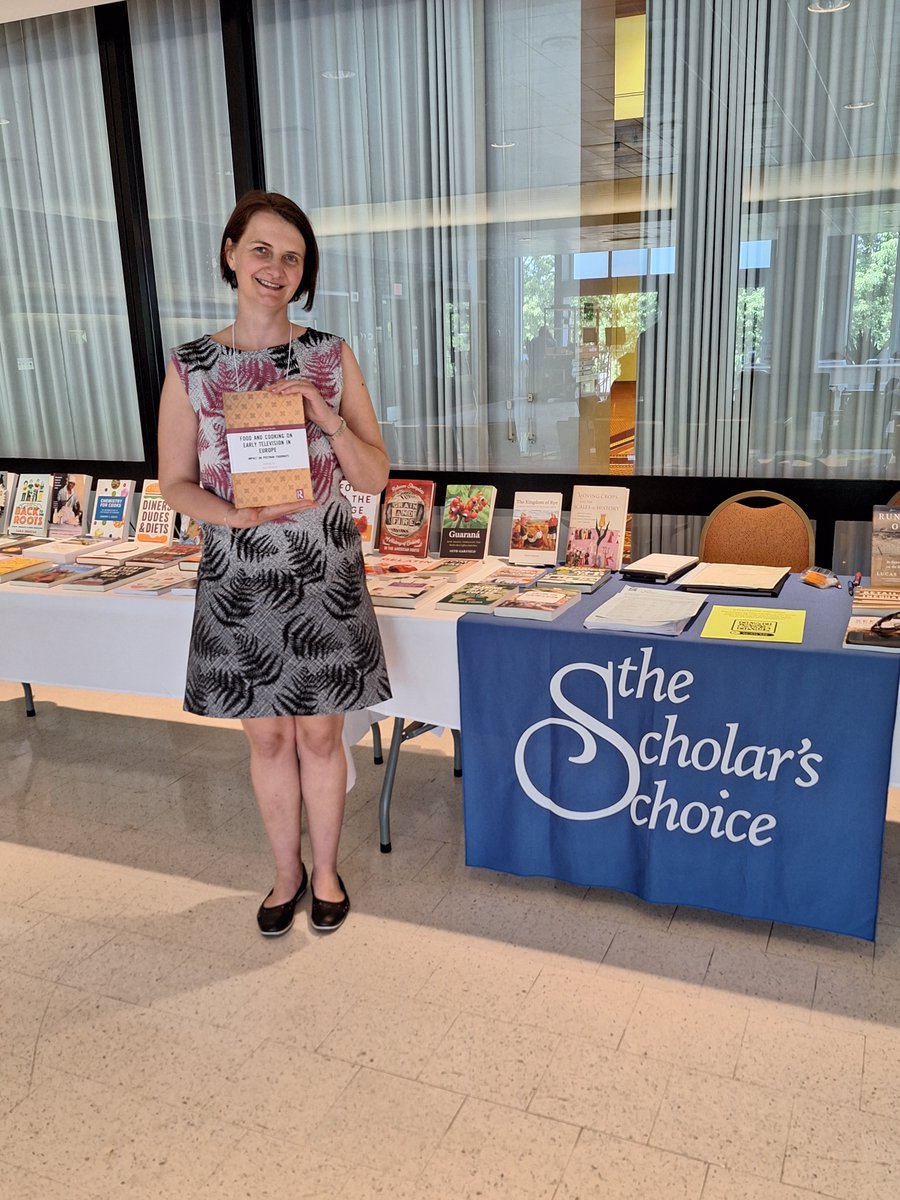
(248, 206)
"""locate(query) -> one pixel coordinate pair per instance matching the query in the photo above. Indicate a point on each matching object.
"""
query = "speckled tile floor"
(465, 1035)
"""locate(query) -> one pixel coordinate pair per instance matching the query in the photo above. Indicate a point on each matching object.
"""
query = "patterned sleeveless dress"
(283, 624)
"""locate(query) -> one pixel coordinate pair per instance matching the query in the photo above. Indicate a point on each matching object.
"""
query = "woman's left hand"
(315, 407)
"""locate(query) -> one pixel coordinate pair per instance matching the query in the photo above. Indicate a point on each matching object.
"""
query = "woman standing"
(284, 635)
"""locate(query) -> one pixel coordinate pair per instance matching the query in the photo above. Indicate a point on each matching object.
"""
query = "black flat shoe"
(278, 919)
(328, 915)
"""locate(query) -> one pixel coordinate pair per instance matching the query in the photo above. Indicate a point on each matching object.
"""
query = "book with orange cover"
(267, 447)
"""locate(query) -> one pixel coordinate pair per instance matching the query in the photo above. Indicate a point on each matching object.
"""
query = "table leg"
(384, 802)
(377, 755)
(457, 754)
(29, 700)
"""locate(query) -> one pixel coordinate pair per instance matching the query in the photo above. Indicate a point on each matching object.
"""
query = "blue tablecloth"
(747, 778)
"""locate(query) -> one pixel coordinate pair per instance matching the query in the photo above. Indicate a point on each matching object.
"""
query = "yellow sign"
(755, 624)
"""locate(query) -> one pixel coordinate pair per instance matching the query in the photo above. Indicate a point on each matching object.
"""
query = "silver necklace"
(234, 362)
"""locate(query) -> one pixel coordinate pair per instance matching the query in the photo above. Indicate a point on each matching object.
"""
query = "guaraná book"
(69, 510)
(365, 507)
(597, 526)
(466, 521)
(31, 505)
(406, 520)
(885, 571)
(113, 502)
(534, 536)
(267, 448)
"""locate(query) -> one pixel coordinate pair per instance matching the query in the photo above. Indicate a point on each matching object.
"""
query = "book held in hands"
(466, 520)
(534, 535)
(406, 517)
(267, 448)
(597, 526)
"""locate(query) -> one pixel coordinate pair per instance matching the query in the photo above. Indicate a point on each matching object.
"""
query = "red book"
(406, 522)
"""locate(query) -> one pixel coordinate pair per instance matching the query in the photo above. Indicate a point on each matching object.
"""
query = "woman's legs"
(276, 782)
(323, 777)
(296, 760)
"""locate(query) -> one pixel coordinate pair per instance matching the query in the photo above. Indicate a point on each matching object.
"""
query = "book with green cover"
(466, 521)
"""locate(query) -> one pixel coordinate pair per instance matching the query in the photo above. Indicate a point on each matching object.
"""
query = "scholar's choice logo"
(618, 683)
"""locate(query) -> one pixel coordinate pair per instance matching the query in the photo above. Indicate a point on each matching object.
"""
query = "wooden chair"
(760, 528)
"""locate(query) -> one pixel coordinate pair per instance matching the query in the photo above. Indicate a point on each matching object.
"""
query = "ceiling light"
(854, 104)
(502, 145)
(338, 74)
(827, 6)
(3, 121)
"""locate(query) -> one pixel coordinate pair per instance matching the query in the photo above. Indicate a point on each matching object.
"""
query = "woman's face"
(267, 260)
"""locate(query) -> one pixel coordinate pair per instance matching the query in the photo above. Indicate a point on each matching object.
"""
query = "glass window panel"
(67, 385)
(186, 146)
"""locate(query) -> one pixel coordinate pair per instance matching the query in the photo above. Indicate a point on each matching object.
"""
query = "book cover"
(109, 577)
(30, 511)
(520, 577)
(534, 536)
(365, 507)
(583, 579)
(860, 635)
(189, 529)
(404, 593)
(22, 543)
(396, 564)
(53, 576)
(155, 524)
(466, 520)
(885, 572)
(13, 566)
(7, 491)
(186, 586)
(157, 583)
(108, 553)
(597, 526)
(267, 448)
(475, 597)
(69, 510)
(113, 502)
(190, 565)
(406, 517)
(875, 602)
(63, 550)
(538, 604)
(164, 556)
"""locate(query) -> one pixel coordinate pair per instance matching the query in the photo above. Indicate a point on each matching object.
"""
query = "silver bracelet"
(337, 433)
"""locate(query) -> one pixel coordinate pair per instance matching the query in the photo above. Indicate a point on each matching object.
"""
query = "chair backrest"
(775, 534)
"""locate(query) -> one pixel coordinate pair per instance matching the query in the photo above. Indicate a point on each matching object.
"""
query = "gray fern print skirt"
(283, 624)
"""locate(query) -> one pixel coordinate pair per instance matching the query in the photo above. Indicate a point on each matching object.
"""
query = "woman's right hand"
(249, 518)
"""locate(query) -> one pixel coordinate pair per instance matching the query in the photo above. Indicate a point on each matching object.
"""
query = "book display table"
(747, 778)
(568, 772)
